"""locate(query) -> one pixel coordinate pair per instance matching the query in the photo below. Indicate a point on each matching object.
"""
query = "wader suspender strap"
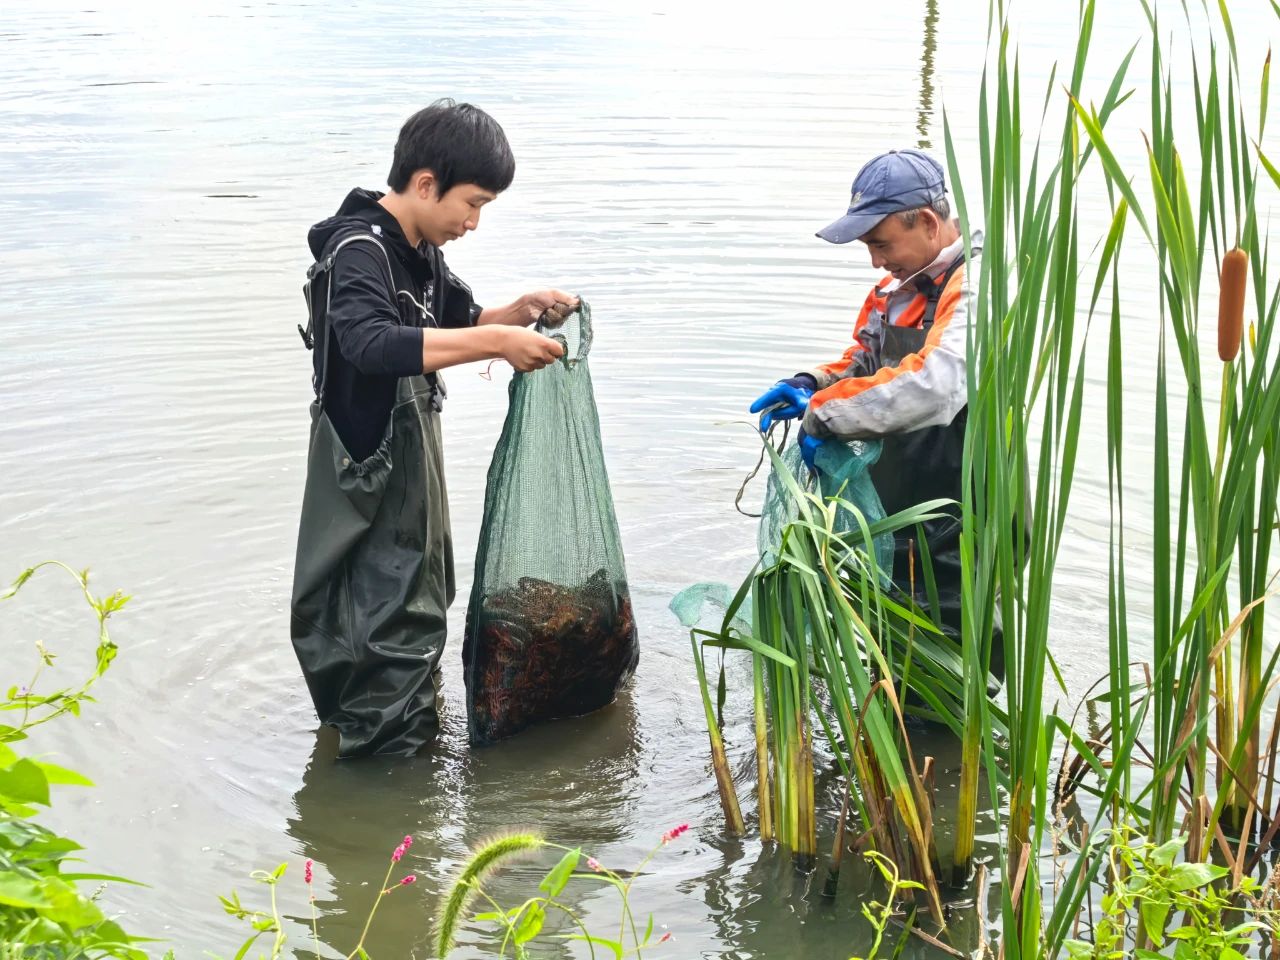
(326, 265)
(432, 315)
(933, 292)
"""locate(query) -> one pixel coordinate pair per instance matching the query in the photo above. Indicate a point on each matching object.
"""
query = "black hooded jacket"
(375, 333)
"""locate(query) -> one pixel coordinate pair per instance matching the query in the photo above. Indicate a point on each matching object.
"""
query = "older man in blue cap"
(903, 379)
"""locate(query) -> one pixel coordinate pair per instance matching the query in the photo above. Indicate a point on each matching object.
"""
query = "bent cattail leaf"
(1235, 267)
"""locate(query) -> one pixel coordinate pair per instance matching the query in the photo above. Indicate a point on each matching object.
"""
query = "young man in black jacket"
(374, 571)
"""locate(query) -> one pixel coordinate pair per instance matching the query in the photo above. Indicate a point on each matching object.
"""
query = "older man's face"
(904, 251)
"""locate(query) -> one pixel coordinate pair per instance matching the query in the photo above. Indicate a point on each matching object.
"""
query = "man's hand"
(552, 307)
(809, 447)
(528, 351)
(785, 400)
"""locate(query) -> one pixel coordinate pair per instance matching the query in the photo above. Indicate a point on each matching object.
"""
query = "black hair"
(459, 143)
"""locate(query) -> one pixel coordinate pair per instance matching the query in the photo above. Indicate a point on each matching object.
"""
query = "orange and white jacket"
(858, 398)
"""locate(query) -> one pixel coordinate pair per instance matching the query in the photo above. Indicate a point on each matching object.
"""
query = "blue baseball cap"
(892, 182)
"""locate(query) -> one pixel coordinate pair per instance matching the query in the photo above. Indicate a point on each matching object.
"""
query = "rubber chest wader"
(374, 571)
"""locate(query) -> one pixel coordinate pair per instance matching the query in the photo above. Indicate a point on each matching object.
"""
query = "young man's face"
(904, 251)
(443, 218)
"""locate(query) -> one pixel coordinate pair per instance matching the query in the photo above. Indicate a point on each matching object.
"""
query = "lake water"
(159, 169)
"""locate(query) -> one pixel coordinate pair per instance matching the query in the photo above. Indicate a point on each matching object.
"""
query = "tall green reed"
(1188, 681)
(1214, 513)
(1194, 718)
(1027, 364)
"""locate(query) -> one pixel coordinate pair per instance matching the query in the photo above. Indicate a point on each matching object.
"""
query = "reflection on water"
(347, 814)
(928, 50)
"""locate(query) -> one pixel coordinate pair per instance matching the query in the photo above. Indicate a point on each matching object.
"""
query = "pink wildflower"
(665, 937)
(594, 864)
(400, 850)
(674, 832)
(408, 880)
(307, 871)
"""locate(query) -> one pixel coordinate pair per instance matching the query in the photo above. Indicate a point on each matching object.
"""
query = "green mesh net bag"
(842, 470)
(550, 631)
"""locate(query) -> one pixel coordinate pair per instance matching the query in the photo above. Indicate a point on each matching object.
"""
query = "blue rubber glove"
(785, 400)
(808, 448)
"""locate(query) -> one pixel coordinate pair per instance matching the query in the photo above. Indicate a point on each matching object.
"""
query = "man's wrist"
(803, 381)
(496, 339)
(512, 315)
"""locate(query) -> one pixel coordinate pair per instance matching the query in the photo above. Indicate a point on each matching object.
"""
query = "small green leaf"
(1245, 929)
(48, 848)
(10, 735)
(67, 907)
(24, 782)
(21, 811)
(1189, 876)
(554, 882)
(530, 924)
(61, 775)
(17, 891)
(611, 945)
(1154, 915)
(19, 580)
(488, 915)
(110, 932)
(1165, 853)
(116, 601)
(99, 878)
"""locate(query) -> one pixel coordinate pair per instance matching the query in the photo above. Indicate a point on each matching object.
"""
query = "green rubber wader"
(374, 578)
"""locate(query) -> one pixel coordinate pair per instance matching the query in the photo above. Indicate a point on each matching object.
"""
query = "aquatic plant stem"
(382, 892)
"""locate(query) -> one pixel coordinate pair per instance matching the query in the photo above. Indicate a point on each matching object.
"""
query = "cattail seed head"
(1231, 291)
